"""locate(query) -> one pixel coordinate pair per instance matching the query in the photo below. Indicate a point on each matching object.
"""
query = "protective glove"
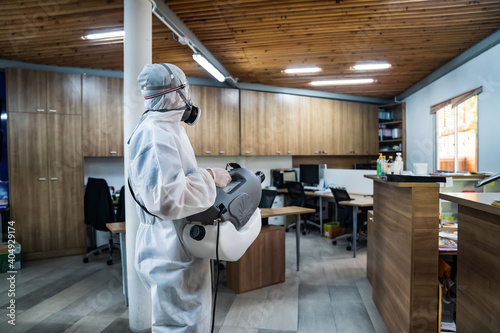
(221, 177)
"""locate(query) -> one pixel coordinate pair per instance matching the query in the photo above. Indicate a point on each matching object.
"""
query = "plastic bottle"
(379, 165)
(384, 166)
(390, 166)
(399, 164)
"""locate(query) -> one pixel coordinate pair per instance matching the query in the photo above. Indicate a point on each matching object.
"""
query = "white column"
(137, 51)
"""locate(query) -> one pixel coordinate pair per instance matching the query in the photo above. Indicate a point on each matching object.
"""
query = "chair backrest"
(98, 204)
(296, 194)
(267, 198)
(120, 209)
(340, 195)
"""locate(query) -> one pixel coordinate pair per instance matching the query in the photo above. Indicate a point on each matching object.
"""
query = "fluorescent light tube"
(105, 35)
(341, 82)
(302, 70)
(365, 67)
(208, 66)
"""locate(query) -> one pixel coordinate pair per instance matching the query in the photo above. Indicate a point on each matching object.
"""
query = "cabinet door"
(26, 90)
(66, 182)
(64, 93)
(228, 129)
(217, 132)
(263, 121)
(102, 116)
(370, 130)
(28, 173)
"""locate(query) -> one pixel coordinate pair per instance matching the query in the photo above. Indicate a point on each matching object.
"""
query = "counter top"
(480, 201)
(402, 184)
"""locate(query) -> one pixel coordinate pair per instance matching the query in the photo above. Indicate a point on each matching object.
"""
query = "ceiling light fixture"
(106, 35)
(208, 67)
(341, 82)
(365, 67)
(302, 70)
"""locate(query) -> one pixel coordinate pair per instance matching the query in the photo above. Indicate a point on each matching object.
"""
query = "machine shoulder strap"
(140, 205)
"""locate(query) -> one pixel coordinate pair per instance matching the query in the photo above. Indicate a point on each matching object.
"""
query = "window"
(456, 133)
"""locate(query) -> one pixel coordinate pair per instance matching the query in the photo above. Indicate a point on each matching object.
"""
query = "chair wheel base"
(109, 262)
(85, 260)
(334, 242)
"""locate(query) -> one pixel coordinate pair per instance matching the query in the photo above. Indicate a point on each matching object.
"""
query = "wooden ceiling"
(256, 39)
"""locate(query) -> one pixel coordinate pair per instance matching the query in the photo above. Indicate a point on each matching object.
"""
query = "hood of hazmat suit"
(167, 182)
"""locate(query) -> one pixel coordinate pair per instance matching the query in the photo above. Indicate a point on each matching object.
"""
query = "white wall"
(484, 70)
(109, 168)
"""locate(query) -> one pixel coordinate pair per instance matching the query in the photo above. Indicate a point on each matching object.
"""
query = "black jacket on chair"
(98, 205)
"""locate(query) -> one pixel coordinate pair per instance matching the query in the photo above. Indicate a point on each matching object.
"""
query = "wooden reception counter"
(478, 272)
(403, 254)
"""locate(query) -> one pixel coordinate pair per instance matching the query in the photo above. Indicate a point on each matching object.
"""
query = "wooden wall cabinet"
(102, 116)
(282, 124)
(217, 133)
(46, 183)
(43, 92)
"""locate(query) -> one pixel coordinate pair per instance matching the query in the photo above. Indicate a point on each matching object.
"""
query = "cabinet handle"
(40, 110)
(247, 152)
(324, 152)
(52, 110)
(289, 152)
(278, 152)
(371, 219)
(53, 178)
(222, 152)
(316, 152)
(112, 152)
(42, 179)
(208, 152)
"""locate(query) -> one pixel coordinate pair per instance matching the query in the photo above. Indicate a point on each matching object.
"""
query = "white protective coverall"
(166, 180)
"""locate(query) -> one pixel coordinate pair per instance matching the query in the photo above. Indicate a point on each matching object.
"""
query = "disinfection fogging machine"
(236, 209)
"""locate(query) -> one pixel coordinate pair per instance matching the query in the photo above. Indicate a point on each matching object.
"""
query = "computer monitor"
(309, 174)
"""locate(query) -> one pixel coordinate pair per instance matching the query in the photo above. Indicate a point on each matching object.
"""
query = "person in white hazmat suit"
(168, 186)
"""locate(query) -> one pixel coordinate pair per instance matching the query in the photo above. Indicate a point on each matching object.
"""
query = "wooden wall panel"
(405, 255)
(478, 273)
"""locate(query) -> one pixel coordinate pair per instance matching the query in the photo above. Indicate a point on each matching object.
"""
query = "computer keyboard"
(311, 188)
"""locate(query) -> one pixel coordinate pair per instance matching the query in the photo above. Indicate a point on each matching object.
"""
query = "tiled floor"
(330, 293)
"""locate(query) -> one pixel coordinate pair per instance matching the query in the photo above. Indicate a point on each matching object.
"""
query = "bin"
(332, 230)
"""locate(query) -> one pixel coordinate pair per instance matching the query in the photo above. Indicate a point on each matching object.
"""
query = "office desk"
(359, 201)
(119, 228)
(290, 210)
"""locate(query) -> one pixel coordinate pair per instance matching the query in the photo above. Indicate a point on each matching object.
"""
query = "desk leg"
(321, 215)
(354, 229)
(123, 251)
(297, 240)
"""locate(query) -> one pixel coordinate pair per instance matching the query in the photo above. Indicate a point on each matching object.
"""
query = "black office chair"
(266, 201)
(298, 198)
(98, 210)
(120, 209)
(343, 214)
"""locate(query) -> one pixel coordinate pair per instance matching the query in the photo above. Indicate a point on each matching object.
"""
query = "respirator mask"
(191, 113)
